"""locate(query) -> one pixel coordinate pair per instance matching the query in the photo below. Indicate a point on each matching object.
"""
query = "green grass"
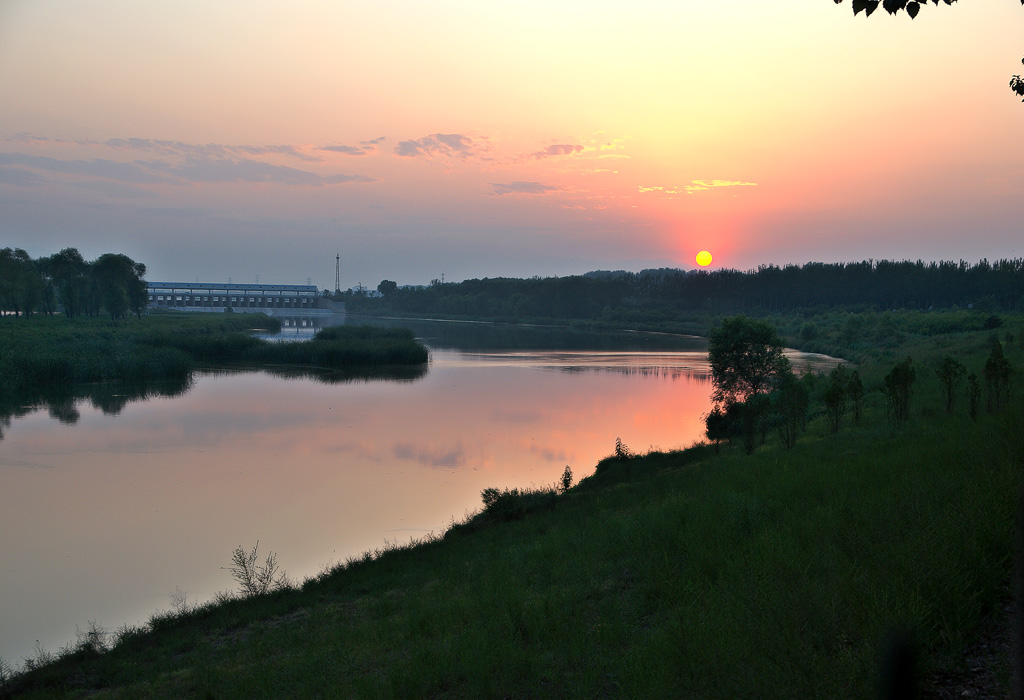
(691, 574)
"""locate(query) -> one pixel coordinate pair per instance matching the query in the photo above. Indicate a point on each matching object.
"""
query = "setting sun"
(703, 258)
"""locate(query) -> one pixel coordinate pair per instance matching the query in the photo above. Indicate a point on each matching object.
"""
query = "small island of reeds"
(46, 351)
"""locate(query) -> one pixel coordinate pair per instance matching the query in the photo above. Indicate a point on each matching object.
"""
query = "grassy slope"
(680, 575)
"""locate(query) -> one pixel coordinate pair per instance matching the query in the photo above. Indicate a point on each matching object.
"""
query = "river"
(117, 502)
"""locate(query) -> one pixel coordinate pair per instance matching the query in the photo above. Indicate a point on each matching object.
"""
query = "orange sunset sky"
(239, 139)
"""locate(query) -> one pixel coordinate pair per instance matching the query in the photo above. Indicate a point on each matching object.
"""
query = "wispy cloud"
(520, 187)
(364, 148)
(190, 170)
(34, 140)
(454, 456)
(223, 170)
(134, 172)
(206, 150)
(558, 149)
(346, 150)
(709, 184)
(456, 145)
(19, 176)
(694, 186)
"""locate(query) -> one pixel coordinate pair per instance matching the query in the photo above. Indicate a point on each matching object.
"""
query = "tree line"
(657, 294)
(112, 283)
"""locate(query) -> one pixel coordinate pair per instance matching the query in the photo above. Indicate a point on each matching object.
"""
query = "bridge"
(272, 299)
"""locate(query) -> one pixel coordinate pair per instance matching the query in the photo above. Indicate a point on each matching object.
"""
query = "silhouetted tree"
(898, 385)
(790, 402)
(856, 392)
(835, 397)
(950, 373)
(752, 417)
(69, 272)
(21, 284)
(997, 378)
(119, 284)
(973, 394)
(745, 359)
(717, 426)
(912, 8)
(387, 287)
(565, 483)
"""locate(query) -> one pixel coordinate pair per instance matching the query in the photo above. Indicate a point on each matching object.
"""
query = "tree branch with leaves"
(912, 7)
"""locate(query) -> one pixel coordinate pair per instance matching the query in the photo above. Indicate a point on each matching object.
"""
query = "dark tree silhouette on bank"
(997, 378)
(855, 387)
(119, 282)
(950, 372)
(898, 385)
(746, 358)
(835, 397)
(790, 402)
(744, 354)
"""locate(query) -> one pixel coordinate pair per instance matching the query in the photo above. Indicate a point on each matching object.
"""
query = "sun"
(703, 258)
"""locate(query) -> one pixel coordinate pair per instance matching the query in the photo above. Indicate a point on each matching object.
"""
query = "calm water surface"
(111, 505)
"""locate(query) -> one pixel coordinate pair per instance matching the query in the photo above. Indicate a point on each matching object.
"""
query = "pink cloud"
(558, 149)
(436, 145)
(520, 187)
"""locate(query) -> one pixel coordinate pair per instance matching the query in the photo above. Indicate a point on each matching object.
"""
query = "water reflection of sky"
(103, 518)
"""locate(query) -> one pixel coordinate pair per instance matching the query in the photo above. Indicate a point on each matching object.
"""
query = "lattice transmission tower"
(337, 273)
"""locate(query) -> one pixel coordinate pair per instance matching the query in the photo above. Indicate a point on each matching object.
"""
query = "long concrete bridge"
(272, 299)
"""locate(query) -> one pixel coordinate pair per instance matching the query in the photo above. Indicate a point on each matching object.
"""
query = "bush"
(252, 578)
(504, 505)
(513, 504)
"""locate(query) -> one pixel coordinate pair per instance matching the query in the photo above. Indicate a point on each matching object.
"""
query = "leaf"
(912, 9)
(872, 5)
(894, 6)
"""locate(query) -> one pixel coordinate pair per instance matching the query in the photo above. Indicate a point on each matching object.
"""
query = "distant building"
(269, 298)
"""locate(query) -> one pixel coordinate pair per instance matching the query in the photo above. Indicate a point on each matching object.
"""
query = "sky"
(255, 141)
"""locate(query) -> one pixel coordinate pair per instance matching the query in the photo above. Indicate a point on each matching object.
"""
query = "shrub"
(856, 391)
(835, 397)
(504, 505)
(997, 378)
(973, 394)
(950, 373)
(513, 504)
(992, 322)
(253, 578)
(897, 392)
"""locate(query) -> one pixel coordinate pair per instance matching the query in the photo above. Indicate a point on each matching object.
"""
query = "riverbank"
(781, 574)
(856, 336)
